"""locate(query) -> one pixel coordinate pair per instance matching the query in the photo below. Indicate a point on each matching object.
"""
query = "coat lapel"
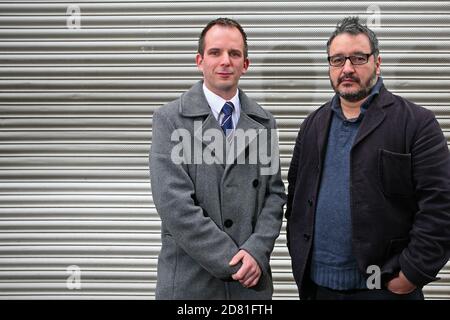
(374, 115)
(247, 126)
(245, 133)
(214, 140)
(193, 104)
(324, 123)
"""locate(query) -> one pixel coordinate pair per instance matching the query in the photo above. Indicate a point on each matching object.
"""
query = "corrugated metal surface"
(76, 112)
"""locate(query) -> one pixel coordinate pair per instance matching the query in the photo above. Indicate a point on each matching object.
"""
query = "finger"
(255, 282)
(241, 274)
(251, 271)
(243, 280)
(252, 281)
(237, 257)
(248, 282)
(393, 286)
(250, 276)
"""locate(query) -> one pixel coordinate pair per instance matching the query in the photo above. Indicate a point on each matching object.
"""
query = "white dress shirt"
(216, 103)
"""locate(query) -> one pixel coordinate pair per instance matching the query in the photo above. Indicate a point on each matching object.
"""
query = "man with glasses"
(368, 212)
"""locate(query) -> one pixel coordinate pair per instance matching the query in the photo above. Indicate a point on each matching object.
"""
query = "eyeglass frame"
(367, 55)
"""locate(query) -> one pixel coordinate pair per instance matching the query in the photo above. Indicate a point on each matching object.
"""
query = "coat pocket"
(395, 173)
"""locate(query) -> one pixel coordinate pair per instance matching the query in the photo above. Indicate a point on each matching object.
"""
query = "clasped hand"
(249, 273)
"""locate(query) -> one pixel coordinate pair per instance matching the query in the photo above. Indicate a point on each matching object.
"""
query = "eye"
(235, 54)
(213, 52)
(337, 59)
(359, 59)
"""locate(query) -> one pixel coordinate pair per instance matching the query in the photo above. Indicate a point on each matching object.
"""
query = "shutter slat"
(76, 111)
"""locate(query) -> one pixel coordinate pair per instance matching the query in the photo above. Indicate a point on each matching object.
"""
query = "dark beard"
(356, 96)
(359, 95)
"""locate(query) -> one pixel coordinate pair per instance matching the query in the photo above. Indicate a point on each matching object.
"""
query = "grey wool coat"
(211, 211)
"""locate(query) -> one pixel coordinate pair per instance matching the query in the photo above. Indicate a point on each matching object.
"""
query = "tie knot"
(228, 108)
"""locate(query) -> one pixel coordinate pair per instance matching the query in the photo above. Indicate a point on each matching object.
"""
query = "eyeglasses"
(356, 59)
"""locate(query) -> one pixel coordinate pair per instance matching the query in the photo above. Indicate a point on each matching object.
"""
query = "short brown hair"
(225, 22)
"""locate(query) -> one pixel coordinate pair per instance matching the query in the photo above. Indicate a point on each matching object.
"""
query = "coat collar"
(193, 104)
(373, 117)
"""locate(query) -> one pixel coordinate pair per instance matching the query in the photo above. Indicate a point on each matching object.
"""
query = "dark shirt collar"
(336, 102)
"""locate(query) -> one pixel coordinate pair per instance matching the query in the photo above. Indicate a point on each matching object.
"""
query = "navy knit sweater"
(333, 264)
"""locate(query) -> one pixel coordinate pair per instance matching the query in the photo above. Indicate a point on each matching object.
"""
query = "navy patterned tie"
(227, 122)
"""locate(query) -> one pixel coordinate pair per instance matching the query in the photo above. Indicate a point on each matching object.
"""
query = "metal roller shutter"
(76, 110)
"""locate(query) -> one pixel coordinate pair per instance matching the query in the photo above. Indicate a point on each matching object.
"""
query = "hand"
(401, 285)
(249, 273)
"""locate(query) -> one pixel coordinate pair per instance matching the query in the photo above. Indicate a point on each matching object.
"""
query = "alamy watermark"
(74, 279)
(374, 16)
(251, 146)
(73, 20)
(374, 280)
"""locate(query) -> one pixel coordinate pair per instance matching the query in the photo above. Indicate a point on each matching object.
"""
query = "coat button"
(310, 202)
(228, 223)
(306, 237)
(255, 183)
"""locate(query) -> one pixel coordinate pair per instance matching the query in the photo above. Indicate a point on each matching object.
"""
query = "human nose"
(225, 59)
(348, 66)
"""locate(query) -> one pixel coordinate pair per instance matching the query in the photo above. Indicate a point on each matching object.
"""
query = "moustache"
(348, 77)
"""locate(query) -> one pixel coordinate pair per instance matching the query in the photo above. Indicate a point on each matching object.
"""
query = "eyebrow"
(353, 53)
(230, 50)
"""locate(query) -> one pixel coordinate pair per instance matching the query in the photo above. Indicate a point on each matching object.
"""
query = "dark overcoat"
(399, 191)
